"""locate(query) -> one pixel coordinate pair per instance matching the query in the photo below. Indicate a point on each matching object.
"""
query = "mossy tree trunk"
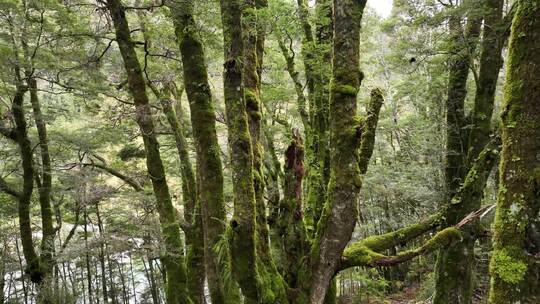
(493, 38)
(318, 149)
(44, 183)
(167, 96)
(317, 59)
(192, 207)
(176, 291)
(337, 222)
(292, 239)
(514, 268)
(34, 267)
(252, 93)
(454, 269)
(209, 167)
(243, 225)
(39, 267)
(272, 287)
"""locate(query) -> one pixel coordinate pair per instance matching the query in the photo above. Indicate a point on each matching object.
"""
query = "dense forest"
(269, 151)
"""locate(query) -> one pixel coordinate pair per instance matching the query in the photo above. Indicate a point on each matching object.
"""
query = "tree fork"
(340, 212)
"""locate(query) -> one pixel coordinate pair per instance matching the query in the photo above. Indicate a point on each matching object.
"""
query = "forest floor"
(410, 295)
(406, 296)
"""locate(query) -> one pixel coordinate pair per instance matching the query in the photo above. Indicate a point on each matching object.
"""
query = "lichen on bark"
(515, 274)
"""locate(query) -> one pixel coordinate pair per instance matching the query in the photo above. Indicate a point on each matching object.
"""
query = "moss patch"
(507, 267)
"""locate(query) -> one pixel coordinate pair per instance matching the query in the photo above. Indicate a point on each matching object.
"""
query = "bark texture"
(209, 167)
(243, 226)
(454, 268)
(176, 290)
(515, 274)
(340, 211)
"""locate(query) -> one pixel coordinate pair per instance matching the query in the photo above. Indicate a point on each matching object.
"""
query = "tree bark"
(454, 268)
(45, 185)
(515, 274)
(243, 225)
(209, 167)
(34, 268)
(336, 225)
(176, 291)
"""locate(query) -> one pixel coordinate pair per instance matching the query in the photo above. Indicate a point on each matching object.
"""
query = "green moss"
(443, 237)
(536, 175)
(508, 267)
(359, 254)
(345, 90)
(385, 241)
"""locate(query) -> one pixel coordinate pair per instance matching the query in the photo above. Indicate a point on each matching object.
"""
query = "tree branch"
(7, 188)
(382, 242)
(8, 132)
(368, 129)
(360, 254)
(130, 181)
(367, 252)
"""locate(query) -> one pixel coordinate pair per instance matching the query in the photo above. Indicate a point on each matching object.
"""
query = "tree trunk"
(87, 258)
(292, 235)
(273, 287)
(209, 167)
(192, 207)
(243, 225)
(34, 269)
(515, 274)
(337, 222)
(318, 149)
(176, 291)
(102, 257)
(454, 268)
(45, 186)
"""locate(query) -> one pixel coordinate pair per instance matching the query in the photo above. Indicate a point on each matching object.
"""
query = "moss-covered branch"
(368, 252)
(368, 130)
(360, 255)
(379, 243)
(471, 190)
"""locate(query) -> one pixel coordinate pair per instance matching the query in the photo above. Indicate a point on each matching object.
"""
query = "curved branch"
(130, 181)
(7, 188)
(367, 252)
(379, 243)
(360, 254)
